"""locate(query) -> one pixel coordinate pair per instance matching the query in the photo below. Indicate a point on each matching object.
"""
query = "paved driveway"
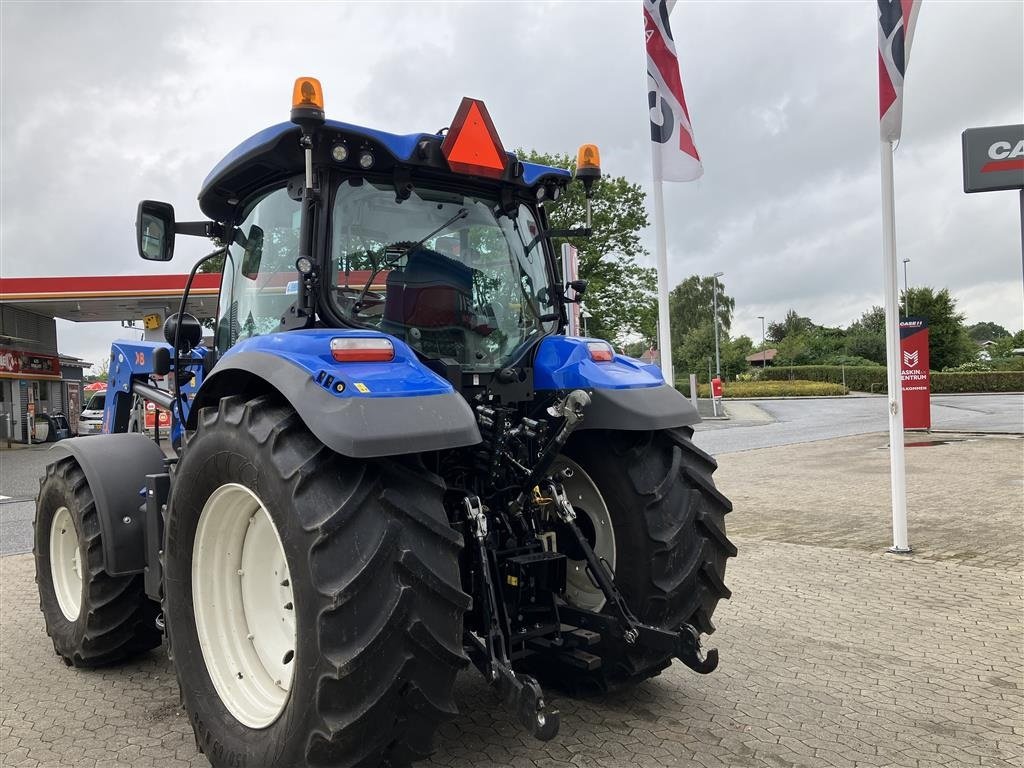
(799, 421)
(833, 654)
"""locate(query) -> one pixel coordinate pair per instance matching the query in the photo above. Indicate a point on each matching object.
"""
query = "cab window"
(259, 283)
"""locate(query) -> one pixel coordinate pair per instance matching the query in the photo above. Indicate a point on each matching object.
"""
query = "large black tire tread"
(116, 620)
(375, 575)
(669, 523)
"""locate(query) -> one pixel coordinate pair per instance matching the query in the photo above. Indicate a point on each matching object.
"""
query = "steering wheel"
(370, 298)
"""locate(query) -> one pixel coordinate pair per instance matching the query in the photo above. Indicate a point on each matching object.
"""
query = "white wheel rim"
(580, 590)
(66, 564)
(244, 608)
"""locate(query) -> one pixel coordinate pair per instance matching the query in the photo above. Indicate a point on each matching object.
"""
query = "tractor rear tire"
(93, 618)
(670, 542)
(373, 580)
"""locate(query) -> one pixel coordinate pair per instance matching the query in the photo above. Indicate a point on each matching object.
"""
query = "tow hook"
(690, 652)
(523, 694)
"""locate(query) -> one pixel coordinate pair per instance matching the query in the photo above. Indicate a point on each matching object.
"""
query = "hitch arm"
(571, 408)
(520, 693)
(684, 644)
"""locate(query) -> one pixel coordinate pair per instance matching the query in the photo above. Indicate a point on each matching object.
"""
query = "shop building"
(34, 375)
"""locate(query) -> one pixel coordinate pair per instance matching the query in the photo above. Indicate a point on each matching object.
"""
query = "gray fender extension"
(356, 426)
(644, 408)
(115, 467)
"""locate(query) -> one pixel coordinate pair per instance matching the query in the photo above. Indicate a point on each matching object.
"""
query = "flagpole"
(664, 329)
(897, 458)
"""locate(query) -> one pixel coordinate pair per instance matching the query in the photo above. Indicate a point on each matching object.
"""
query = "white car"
(90, 422)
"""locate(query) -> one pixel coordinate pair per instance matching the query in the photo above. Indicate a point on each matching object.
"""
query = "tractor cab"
(438, 240)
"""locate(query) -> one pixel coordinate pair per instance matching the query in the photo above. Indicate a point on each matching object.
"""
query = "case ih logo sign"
(1005, 157)
(993, 158)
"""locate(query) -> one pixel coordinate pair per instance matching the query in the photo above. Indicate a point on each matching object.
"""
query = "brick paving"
(833, 653)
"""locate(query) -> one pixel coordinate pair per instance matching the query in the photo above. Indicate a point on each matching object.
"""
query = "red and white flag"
(675, 154)
(896, 19)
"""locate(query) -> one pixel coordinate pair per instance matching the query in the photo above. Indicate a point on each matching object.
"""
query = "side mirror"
(154, 230)
(253, 254)
(578, 286)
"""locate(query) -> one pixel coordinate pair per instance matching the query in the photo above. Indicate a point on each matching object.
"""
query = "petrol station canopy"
(110, 297)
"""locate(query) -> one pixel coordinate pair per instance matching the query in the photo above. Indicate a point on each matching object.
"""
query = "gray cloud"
(104, 104)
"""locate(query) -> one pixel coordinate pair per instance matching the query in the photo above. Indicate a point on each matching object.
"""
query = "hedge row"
(864, 378)
(767, 389)
(981, 381)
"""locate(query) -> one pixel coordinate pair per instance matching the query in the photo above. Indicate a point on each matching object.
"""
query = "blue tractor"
(386, 464)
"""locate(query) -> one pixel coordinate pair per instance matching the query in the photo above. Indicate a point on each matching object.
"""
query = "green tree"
(216, 264)
(620, 293)
(697, 348)
(691, 305)
(987, 332)
(866, 337)
(734, 356)
(99, 372)
(872, 321)
(949, 345)
(792, 324)
(694, 350)
(793, 349)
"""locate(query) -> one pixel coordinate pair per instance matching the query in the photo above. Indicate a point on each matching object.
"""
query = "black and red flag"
(896, 19)
(675, 153)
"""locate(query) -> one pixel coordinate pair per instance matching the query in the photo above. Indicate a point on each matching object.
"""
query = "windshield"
(260, 282)
(441, 270)
(96, 402)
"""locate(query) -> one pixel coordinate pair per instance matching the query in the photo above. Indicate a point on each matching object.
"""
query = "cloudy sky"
(105, 104)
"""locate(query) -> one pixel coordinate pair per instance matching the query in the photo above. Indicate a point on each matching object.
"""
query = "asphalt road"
(760, 424)
(20, 470)
(772, 423)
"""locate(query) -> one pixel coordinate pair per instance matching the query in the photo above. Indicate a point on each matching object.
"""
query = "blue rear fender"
(626, 394)
(359, 409)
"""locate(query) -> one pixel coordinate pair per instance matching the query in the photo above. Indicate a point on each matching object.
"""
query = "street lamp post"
(906, 291)
(714, 301)
(761, 318)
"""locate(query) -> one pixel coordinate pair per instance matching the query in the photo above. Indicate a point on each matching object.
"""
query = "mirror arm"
(209, 229)
(578, 232)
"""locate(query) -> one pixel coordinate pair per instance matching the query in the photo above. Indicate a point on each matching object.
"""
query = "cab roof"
(273, 155)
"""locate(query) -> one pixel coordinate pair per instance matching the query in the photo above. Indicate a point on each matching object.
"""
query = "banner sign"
(916, 376)
(993, 158)
(16, 363)
(896, 21)
(675, 153)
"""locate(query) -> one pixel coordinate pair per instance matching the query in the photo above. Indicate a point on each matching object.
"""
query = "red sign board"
(915, 374)
(17, 363)
(716, 388)
(153, 413)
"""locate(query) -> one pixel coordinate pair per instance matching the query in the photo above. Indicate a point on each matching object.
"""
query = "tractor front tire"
(366, 565)
(93, 618)
(670, 542)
